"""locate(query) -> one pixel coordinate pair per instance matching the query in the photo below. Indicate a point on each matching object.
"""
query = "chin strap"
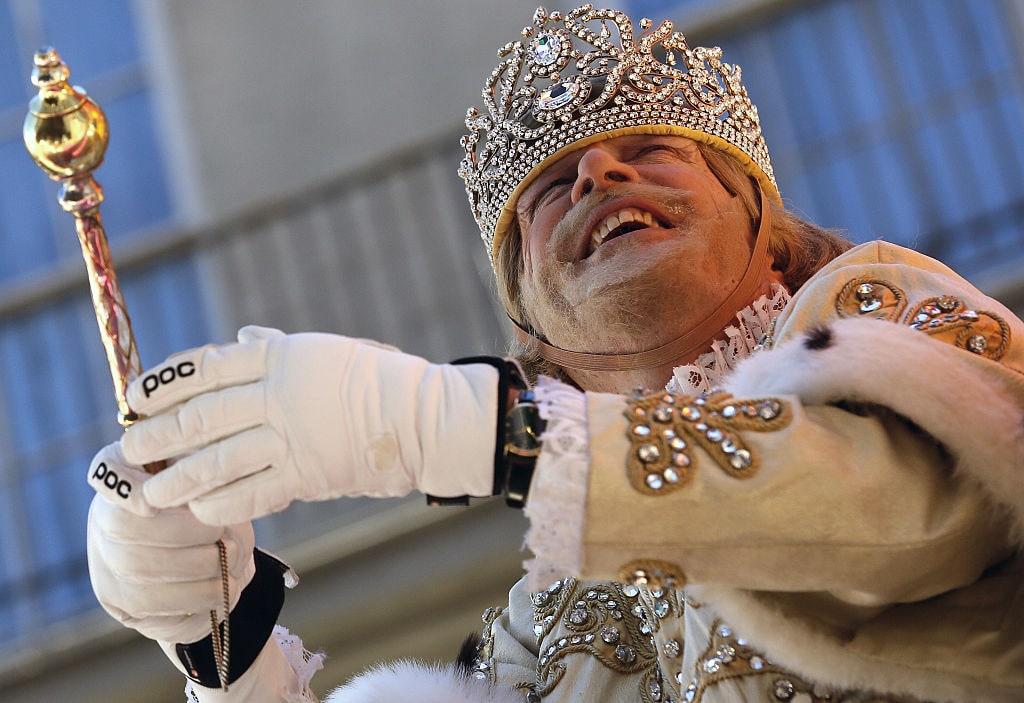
(681, 348)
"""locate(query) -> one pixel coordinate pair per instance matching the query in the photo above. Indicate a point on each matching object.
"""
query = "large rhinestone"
(865, 291)
(769, 410)
(625, 654)
(663, 413)
(610, 634)
(648, 453)
(740, 460)
(545, 48)
(556, 96)
(680, 459)
(655, 481)
(977, 343)
(655, 689)
(662, 608)
(670, 476)
(690, 413)
(947, 303)
(784, 689)
(713, 665)
(870, 305)
(579, 616)
(726, 653)
(672, 649)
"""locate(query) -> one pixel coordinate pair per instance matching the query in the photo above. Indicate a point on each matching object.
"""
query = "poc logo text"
(166, 375)
(111, 480)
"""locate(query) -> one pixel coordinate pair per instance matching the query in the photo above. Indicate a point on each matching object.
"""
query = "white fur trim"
(818, 658)
(941, 388)
(558, 493)
(957, 398)
(416, 682)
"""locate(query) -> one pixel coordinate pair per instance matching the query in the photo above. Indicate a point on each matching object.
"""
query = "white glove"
(158, 571)
(279, 417)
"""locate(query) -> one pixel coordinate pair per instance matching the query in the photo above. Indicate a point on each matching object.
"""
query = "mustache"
(567, 231)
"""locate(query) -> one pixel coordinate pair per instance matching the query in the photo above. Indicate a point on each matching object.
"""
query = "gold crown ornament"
(583, 76)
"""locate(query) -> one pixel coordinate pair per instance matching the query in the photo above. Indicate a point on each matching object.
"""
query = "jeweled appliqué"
(729, 657)
(599, 621)
(660, 460)
(870, 297)
(949, 319)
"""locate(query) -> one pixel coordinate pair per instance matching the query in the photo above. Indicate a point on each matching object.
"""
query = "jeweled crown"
(577, 78)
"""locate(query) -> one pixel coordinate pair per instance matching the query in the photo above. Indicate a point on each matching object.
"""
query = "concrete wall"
(263, 97)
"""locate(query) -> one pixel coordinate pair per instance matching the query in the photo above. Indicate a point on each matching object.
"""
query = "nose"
(598, 169)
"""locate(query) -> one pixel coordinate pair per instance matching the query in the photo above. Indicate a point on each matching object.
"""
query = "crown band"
(584, 76)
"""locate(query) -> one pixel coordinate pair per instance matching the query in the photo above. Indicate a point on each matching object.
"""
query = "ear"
(773, 273)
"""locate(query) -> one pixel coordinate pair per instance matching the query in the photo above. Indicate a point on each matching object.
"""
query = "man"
(824, 504)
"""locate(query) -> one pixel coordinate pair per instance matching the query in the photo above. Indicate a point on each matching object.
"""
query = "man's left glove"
(158, 571)
(276, 418)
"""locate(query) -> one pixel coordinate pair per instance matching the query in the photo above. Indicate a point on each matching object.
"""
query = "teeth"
(601, 232)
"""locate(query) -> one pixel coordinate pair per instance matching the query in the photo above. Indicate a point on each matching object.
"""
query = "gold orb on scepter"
(65, 132)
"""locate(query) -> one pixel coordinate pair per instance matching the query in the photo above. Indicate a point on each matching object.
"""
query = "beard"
(636, 300)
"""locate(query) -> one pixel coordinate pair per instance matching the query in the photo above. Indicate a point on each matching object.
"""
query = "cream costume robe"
(839, 523)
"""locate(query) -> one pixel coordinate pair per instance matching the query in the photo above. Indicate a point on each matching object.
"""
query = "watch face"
(522, 433)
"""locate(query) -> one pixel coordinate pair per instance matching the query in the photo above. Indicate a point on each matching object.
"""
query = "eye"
(657, 150)
(548, 192)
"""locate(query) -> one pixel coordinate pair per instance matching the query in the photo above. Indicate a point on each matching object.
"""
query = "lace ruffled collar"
(741, 339)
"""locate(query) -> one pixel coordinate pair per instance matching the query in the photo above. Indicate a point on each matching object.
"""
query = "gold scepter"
(66, 134)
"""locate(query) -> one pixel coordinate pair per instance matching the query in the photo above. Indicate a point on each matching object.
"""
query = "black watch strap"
(252, 622)
(519, 466)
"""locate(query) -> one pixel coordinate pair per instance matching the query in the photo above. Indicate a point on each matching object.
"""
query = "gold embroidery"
(730, 657)
(662, 427)
(652, 573)
(871, 297)
(948, 319)
(599, 620)
(483, 662)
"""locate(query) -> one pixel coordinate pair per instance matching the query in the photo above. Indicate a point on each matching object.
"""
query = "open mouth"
(627, 220)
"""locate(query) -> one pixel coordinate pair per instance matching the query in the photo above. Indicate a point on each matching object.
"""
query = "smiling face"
(629, 242)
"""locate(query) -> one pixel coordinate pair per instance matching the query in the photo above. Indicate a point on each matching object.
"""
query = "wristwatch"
(523, 427)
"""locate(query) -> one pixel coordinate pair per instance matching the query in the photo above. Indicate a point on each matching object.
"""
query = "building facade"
(294, 166)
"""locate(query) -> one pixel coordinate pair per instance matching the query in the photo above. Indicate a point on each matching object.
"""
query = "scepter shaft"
(111, 314)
